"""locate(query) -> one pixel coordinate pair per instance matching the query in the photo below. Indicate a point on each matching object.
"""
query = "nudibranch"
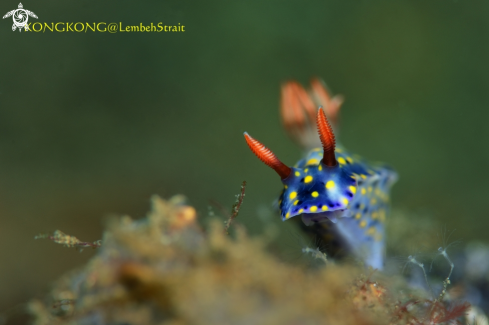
(339, 196)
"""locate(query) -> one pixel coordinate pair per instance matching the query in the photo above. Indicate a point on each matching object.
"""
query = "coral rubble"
(164, 269)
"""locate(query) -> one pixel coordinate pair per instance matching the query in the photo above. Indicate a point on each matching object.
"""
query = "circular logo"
(20, 17)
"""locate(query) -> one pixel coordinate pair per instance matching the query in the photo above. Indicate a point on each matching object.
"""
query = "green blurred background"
(93, 124)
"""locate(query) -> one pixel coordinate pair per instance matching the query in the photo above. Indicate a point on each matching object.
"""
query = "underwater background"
(93, 124)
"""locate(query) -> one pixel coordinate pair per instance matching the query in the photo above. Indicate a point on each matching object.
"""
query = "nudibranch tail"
(327, 138)
(320, 94)
(294, 103)
(298, 109)
(319, 91)
(267, 156)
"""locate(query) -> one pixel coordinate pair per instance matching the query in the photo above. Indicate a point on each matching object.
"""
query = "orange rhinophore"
(267, 156)
(326, 136)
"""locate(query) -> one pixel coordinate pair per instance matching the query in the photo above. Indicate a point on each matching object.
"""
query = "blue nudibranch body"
(339, 195)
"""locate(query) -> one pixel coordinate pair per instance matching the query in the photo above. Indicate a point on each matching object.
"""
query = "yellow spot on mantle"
(297, 174)
(292, 195)
(341, 160)
(286, 187)
(358, 215)
(308, 179)
(301, 210)
(312, 162)
(314, 208)
(306, 170)
(371, 231)
(315, 194)
(296, 201)
(345, 201)
(320, 167)
(353, 189)
(330, 185)
(363, 191)
(382, 215)
(363, 224)
(287, 216)
(324, 208)
(349, 160)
